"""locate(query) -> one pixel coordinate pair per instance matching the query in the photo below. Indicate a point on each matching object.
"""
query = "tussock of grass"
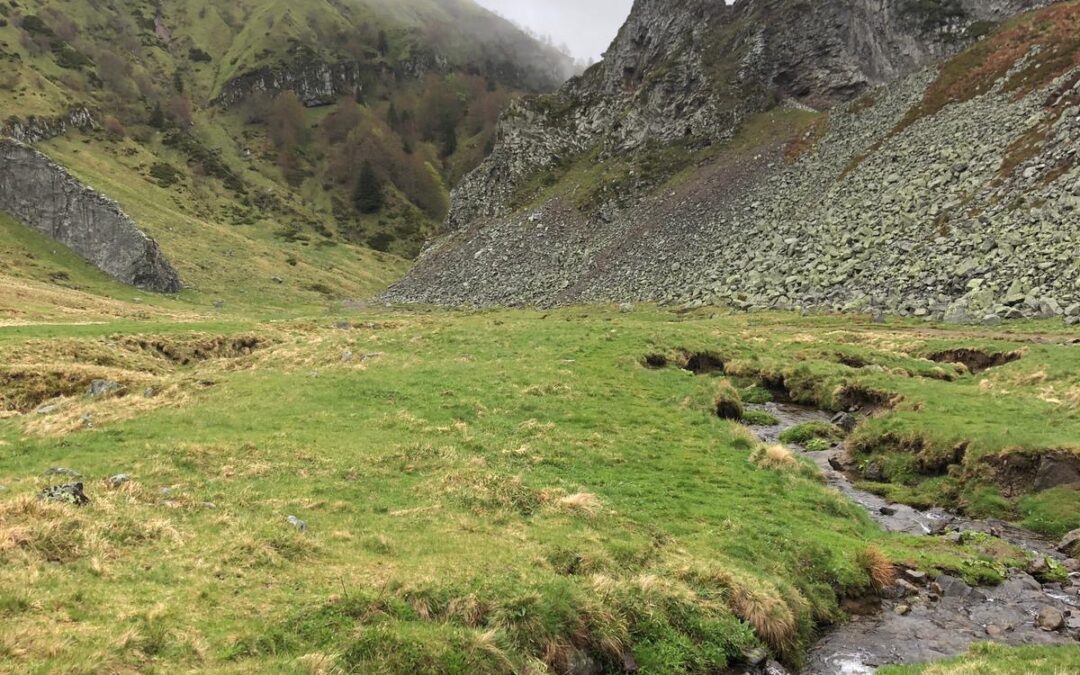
(581, 502)
(877, 566)
(780, 459)
(33, 531)
(775, 457)
(759, 418)
(808, 431)
(728, 404)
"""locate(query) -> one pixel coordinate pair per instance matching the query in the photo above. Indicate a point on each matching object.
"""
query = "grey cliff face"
(693, 70)
(315, 83)
(37, 129)
(46, 197)
(929, 222)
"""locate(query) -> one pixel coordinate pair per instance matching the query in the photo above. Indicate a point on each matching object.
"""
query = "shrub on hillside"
(114, 126)
(166, 174)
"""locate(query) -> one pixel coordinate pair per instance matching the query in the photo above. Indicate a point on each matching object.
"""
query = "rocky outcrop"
(46, 197)
(315, 83)
(36, 129)
(690, 71)
(966, 213)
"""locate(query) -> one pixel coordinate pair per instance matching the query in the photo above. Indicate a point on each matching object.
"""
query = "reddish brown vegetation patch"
(1055, 29)
(806, 139)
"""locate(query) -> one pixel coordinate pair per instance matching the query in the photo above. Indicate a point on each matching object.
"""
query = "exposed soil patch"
(975, 360)
(184, 352)
(1020, 473)
(851, 361)
(776, 386)
(703, 363)
(24, 390)
(655, 361)
(866, 399)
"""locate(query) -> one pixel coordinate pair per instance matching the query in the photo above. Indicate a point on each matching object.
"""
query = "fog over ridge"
(585, 27)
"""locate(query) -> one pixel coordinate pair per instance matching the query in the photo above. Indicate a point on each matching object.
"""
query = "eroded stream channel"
(924, 619)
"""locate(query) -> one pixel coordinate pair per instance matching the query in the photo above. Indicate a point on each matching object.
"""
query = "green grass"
(809, 431)
(486, 489)
(989, 659)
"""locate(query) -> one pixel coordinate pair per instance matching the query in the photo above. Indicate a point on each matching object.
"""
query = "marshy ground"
(501, 491)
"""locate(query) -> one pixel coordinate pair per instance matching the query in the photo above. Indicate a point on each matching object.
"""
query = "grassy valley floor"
(392, 491)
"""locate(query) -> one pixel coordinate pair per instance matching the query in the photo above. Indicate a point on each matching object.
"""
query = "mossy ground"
(482, 491)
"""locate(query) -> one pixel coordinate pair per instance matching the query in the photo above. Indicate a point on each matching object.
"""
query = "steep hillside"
(944, 193)
(338, 122)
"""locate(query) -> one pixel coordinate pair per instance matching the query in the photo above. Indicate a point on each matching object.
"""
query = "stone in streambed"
(1050, 619)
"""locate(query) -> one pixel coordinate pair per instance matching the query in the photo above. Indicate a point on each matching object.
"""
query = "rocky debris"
(1050, 619)
(118, 480)
(47, 409)
(70, 493)
(46, 197)
(1070, 543)
(1057, 471)
(102, 388)
(845, 421)
(918, 223)
(297, 523)
(35, 129)
(61, 471)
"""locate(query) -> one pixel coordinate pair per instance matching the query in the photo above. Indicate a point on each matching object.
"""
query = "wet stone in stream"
(921, 619)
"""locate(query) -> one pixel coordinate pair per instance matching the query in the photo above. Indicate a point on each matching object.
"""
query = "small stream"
(925, 619)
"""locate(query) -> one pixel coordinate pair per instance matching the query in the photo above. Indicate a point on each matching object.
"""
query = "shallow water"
(945, 616)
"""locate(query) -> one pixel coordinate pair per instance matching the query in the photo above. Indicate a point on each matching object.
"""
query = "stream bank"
(920, 619)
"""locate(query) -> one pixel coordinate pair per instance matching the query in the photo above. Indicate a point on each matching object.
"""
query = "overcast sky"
(586, 26)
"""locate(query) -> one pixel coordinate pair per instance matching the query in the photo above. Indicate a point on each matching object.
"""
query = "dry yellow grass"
(774, 457)
(25, 302)
(582, 502)
(878, 567)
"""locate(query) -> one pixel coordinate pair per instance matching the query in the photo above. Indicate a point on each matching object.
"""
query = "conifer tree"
(157, 117)
(368, 196)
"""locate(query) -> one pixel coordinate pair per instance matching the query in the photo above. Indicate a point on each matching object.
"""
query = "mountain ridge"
(649, 225)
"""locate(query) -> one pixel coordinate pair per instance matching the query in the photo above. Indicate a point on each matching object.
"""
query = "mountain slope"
(946, 193)
(256, 119)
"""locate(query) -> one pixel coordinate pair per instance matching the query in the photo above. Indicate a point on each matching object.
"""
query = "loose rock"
(71, 493)
(1050, 619)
